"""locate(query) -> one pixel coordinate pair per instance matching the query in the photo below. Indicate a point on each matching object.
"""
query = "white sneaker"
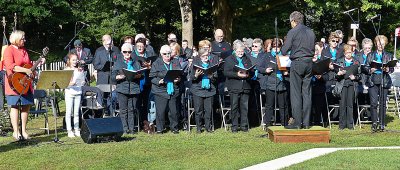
(71, 134)
(77, 133)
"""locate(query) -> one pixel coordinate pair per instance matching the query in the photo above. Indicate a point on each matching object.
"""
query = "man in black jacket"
(85, 57)
(300, 42)
(102, 57)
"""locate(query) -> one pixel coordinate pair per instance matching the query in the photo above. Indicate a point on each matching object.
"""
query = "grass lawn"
(354, 159)
(219, 150)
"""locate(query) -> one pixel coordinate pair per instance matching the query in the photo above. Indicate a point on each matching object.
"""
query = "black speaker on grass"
(93, 129)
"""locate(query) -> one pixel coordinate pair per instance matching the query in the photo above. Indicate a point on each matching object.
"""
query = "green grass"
(354, 159)
(219, 150)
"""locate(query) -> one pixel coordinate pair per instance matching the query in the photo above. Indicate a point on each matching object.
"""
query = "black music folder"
(130, 74)
(172, 75)
(244, 69)
(375, 64)
(208, 70)
(351, 70)
(321, 67)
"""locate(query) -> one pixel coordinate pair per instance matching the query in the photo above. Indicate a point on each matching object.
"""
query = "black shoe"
(292, 127)
(234, 131)
(209, 131)
(374, 127)
(198, 131)
(245, 130)
(159, 132)
(306, 127)
(175, 132)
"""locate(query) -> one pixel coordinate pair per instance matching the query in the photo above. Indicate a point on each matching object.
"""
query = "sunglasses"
(334, 41)
(126, 52)
(254, 46)
(166, 53)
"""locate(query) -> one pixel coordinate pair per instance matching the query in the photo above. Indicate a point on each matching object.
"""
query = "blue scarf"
(170, 84)
(333, 53)
(365, 58)
(378, 58)
(347, 64)
(319, 57)
(129, 65)
(278, 72)
(253, 54)
(205, 82)
(240, 60)
(144, 79)
(256, 72)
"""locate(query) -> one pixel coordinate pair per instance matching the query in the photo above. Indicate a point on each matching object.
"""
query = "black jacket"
(300, 42)
(233, 82)
(375, 79)
(270, 82)
(196, 82)
(124, 86)
(346, 78)
(261, 77)
(101, 56)
(141, 61)
(326, 53)
(158, 72)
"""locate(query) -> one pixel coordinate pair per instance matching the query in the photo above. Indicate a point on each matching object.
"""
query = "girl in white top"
(73, 94)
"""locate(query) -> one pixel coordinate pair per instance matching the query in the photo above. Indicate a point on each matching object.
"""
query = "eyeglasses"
(334, 41)
(166, 53)
(254, 46)
(126, 52)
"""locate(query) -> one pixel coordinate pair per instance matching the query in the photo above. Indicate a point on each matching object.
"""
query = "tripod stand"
(52, 80)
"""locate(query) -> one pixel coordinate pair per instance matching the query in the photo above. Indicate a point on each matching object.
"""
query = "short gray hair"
(239, 46)
(297, 17)
(236, 43)
(366, 41)
(258, 41)
(126, 45)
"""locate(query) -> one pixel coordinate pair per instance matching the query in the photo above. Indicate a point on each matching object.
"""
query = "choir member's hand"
(314, 59)
(285, 73)
(138, 76)
(318, 76)
(269, 70)
(147, 64)
(373, 70)
(386, 69)
(242, 74)
(198, 73)
(341, 72)
(161, 81)
(120, 77)
(352, 77)
(82, 62)
(331, 66)
(177, 80)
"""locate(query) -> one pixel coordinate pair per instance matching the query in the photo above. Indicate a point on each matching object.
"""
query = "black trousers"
(161, 109)
(300, 90)
(281, 98)
(346, 108)
(143, 102)
(254, 109)
(127, 108)
(374, 92)
(203, 106)
(239, 108)
(319, 108)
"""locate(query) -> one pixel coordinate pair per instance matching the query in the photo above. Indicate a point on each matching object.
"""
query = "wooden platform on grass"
(316, 134)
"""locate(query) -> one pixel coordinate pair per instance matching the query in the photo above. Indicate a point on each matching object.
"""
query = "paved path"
(304, 156)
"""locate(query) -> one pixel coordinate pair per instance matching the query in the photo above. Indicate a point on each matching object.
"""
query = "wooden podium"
(316, 134)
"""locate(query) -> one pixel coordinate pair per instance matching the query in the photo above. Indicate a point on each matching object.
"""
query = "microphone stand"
(358, 21)
(75, 34)
(276, 69)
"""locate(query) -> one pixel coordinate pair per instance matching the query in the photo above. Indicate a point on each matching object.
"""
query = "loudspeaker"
(93, 129)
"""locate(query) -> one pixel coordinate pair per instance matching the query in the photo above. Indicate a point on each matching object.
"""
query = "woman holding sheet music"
(203, 87)
(166, 91)
(127, 90)
(348, 77)
(375, 81)
(238, 84)
(73, 94)
(277, 81)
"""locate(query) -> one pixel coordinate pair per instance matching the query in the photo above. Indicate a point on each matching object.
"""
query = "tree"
(187, 20)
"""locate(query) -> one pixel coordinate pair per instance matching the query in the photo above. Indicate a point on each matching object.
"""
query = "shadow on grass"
(37, 139)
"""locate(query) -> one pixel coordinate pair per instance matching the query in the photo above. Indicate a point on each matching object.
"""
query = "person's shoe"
(77, 133)
(71, 134)
(306, 127)
(198, 131)
(175, 132)
(234, 131)
(209, 131)
(374, 127)
(292, 127)
(245, 130)
(17, 136)
(159, 132)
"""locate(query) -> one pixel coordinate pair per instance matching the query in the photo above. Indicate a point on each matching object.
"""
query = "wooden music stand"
(52, 80)
(283, 62)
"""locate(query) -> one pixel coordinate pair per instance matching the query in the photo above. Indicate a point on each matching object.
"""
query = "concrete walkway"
(304, 156)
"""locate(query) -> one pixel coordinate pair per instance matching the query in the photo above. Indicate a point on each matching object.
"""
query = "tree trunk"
(187, 20)
(223, 17)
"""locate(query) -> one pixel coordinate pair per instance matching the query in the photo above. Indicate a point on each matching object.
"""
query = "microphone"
(84, 23)
(345, 12)
(373, 17)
